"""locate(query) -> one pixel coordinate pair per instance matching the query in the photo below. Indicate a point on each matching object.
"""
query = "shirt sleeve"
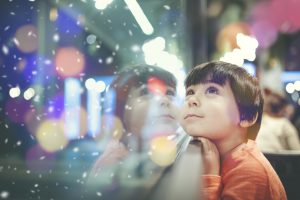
(211, 187)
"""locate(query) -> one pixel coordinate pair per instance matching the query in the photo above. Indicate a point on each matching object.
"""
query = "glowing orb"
(226, 39)
(26, 38)
(163, 151)
(156, 86)
(50, 136)
(69, 62)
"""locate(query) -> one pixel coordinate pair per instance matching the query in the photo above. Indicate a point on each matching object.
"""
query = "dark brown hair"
(245, 88)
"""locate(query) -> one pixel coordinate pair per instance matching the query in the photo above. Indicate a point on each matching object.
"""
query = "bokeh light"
(16, 109)
(82, 122)
(55, 106)
(26, 38)
(21, 65)
(282, 15)
(53, 14)
(14, 92)
(297, 85)
(156, 86)
(290, 88)
(102, 4)
(69, 62)
(100, 86)
(91, 39)
(29, 93)
(163, 151)
(89, 83)
(265, 33)
(226, 39)
(50, 135)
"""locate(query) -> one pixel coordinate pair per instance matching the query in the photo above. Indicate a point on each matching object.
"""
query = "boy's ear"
(247, 123)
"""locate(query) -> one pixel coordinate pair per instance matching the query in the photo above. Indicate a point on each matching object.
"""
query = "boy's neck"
(228, 146)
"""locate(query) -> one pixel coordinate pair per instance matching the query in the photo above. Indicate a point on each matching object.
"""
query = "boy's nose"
(193, 101)
(164, 101)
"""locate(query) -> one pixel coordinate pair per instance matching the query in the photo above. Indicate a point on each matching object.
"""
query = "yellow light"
(50, 136)
(53, 14)
(163, 151)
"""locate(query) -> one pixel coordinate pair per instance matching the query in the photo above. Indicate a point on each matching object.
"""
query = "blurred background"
(58, 57)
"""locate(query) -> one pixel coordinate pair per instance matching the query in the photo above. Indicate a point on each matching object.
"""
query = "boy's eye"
(189, 92)
(212, 90)
(170, 93)
(144, 91)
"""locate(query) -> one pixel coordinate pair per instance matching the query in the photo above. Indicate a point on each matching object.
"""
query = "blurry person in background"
(276, 132)
(296, 120)
(145, 104)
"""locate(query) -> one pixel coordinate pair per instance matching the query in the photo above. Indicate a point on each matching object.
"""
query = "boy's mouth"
(193, 116)
(166, 116)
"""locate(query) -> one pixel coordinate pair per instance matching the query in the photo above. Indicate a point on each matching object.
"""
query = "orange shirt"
(245, 174)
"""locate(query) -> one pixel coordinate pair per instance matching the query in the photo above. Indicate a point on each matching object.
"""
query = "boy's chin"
(197, 135)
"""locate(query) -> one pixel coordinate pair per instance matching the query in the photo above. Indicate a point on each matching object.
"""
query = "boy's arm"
(113, 153)
(211, 170)
(211, 187)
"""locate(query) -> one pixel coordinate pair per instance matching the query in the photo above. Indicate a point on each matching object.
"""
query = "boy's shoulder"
(248, 160)
(249, 168)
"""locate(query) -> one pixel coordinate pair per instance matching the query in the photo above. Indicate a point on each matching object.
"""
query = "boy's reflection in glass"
(145, 103)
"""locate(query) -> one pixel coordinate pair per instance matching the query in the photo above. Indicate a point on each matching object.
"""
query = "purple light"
(16, 109)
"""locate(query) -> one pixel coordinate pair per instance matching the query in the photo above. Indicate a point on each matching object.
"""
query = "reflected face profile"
(150, 112)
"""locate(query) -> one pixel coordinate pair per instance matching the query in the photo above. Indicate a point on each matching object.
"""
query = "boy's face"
(151, 114)
(210, 111)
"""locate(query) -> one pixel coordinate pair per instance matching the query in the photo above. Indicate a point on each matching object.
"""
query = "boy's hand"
(211, 157)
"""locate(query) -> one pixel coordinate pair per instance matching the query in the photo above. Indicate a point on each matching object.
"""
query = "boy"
(223, 109)
(145, 104)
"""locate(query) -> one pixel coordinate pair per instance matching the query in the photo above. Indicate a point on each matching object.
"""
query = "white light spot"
(99, 194)
(297, 85)
(5, 50)
(4, 194)
(100, 86)
(89, 83)
(109, 60)
(135, 48)
(14, 92)
(91, 39)
(55, 37)
(290, 88)
(102, 4)
(76, 149)
(29, 93)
